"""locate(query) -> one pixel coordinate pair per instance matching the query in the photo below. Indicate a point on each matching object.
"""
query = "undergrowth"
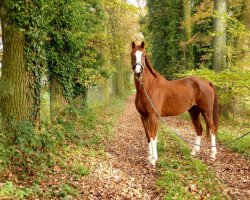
(182, 176)
(43, 164)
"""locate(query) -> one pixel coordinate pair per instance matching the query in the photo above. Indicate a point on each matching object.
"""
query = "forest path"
(126, 174)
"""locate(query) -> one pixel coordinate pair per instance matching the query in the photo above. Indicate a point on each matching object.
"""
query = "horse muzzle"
(138, 69)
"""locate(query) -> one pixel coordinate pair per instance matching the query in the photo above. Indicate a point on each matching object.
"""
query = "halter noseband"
(138, 64)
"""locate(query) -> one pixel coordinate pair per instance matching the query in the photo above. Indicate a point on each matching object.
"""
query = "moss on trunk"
(17, 83)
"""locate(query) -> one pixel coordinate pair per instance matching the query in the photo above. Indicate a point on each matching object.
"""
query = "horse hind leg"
(211, 131)
(195, 116)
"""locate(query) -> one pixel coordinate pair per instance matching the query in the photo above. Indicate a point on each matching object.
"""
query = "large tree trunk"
(57, 100)
(17, 96)
(188, 50)
(219, 39)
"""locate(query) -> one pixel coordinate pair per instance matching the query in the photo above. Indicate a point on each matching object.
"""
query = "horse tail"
(215, 109)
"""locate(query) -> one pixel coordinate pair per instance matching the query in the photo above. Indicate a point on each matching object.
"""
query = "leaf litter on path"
(229, 166)
(126, 174)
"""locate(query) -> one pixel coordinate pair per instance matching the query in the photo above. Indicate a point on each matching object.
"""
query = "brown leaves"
(232, 167)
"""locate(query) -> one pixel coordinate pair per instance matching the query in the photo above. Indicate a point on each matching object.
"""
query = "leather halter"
(137, 64)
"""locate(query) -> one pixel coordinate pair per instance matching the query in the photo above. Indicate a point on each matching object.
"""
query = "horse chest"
(141, 105)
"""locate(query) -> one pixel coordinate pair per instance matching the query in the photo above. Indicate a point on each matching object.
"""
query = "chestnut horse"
(170, 98)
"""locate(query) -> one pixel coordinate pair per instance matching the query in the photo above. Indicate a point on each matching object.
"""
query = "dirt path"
(229, 166)
(125, 174)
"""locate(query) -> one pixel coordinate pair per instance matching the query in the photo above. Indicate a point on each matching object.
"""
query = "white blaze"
(138, 55)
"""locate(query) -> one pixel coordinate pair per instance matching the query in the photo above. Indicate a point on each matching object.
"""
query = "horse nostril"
(138, 73)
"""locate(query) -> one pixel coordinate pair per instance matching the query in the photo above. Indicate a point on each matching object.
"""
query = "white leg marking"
(213, 146)
(150, 151)
(154, 155)
(196, 147)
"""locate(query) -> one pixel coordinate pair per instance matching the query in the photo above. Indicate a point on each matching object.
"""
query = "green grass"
(227, 134)
(181, 176)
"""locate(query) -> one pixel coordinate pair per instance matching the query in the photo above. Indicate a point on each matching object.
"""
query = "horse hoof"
(149, 158)
(152, 161)
(213, 157)
(193, 153)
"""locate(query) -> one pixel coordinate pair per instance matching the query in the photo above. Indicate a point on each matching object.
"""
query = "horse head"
(140, 60)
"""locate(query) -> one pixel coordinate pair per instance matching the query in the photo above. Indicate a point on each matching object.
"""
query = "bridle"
(142, 69)
(138, 64)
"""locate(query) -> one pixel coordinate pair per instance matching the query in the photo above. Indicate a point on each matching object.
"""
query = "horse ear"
(133, 45)
(143, 44)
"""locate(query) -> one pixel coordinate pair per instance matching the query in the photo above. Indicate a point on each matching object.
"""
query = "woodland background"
(63, 59)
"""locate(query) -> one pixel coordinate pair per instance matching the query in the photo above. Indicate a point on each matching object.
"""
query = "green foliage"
(80, 169)
(231, 84)
(164, 34)
(202, 20)
(77, 136)
(9, 189)
(62, 38)
(31, 18)
(74, 55)
(121, 28)
(228, 134)
(25, 148)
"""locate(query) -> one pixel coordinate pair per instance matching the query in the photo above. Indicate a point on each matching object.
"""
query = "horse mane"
(150, 67)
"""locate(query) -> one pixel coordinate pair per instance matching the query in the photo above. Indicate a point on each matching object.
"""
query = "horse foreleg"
(195, 116)
(146, 128)
(153, 122)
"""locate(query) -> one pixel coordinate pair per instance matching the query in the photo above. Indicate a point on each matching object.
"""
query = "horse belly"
(176, 108)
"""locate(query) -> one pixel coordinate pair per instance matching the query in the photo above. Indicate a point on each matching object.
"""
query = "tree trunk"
(57, 100)
(188, 50)
(219, 39)
(17, 85)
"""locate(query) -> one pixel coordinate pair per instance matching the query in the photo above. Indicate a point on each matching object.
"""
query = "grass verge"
(181, 176)
(80, 135)
(230, 130)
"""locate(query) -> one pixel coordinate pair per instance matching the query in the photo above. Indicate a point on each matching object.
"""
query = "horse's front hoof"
(193, 153)
(213, 153)
(213, 156)
(149, 158)
(152, 161)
